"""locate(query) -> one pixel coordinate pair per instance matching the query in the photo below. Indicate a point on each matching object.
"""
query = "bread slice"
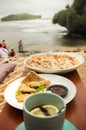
(32, 76)
(29, 85)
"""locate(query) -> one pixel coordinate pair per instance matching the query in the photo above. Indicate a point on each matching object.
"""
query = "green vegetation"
(73, 18)
(23, 16)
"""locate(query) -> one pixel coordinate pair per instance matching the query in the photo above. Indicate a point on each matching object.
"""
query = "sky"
(46, 8)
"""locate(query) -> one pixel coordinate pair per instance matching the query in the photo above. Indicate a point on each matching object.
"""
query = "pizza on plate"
(52, 61)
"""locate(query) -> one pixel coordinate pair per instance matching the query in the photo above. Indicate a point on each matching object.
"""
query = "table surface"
(11, 117)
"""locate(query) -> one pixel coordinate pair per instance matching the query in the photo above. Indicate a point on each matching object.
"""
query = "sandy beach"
(20, 67)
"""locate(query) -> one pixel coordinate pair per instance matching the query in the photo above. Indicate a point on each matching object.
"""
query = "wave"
(45, 26)
(38, 25)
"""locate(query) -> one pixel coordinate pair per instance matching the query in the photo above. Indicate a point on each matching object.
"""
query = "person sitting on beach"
(3, 44)
(3, 55)
(12, 53)
(20, 46)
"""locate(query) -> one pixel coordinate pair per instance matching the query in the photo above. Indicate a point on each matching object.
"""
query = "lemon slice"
(45, 110)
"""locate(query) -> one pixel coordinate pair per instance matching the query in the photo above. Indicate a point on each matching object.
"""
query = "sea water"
(38, 35)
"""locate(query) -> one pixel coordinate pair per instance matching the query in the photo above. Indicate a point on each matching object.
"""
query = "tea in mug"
(45, 110)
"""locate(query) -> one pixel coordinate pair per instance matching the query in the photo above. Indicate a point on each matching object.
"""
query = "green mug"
(52, 122)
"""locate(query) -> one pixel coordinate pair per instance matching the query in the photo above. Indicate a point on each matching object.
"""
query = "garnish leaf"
(40, 88)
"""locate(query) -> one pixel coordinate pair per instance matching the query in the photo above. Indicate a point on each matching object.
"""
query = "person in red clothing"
(12, 53)
(3, 44)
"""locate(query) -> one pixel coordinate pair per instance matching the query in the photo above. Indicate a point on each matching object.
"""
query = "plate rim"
(20, 105)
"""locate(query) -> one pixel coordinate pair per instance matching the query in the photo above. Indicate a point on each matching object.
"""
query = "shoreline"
(54, 49)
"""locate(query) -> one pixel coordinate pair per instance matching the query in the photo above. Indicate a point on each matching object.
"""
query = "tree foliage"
(73, 18)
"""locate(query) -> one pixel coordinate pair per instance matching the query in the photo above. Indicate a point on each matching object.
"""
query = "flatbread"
(30, 84)
(52, 61)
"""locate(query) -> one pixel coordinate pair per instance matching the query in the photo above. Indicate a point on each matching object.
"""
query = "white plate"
(10, 91)
(79, 57)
